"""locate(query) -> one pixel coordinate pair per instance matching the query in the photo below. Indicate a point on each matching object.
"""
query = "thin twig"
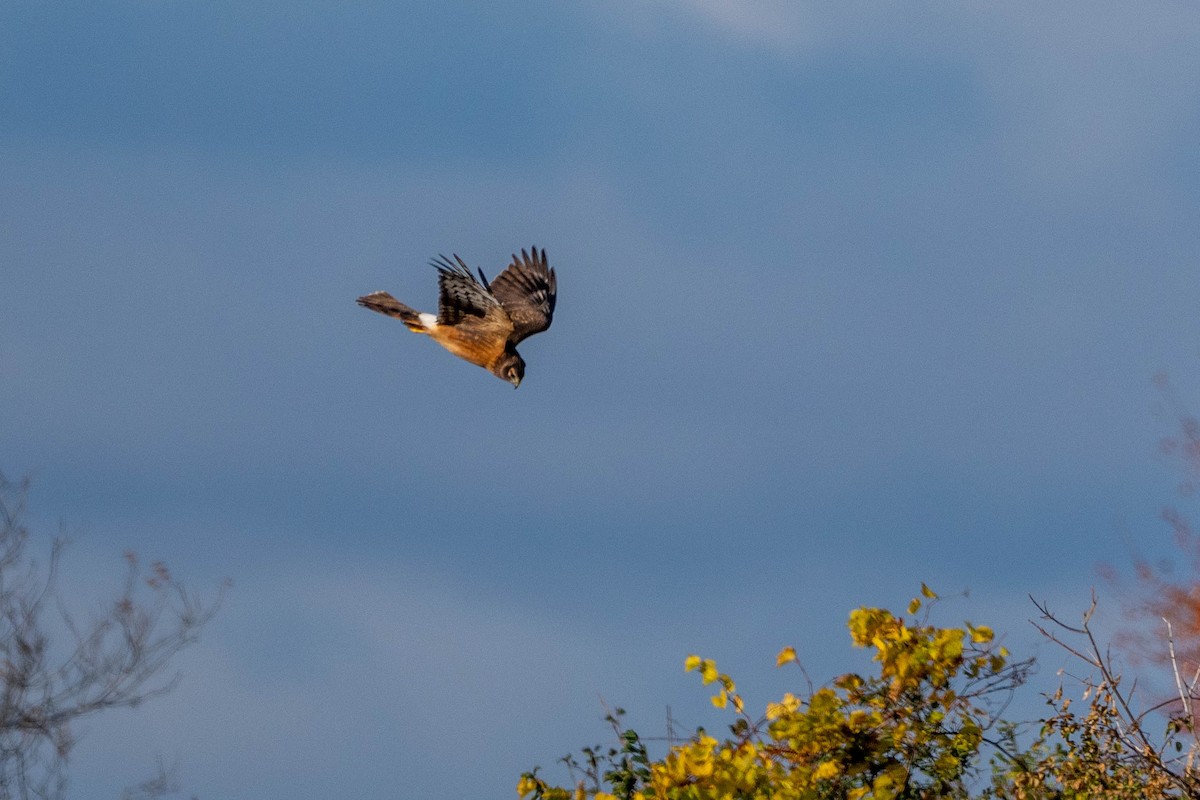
(1183, 696)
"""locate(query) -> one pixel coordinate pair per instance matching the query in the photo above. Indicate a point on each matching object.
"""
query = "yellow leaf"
(915, 605)
(720, 700)
(708, 670)
(981, 634)
(828, 769)
(925, 590)
(787, 705)
(691, 663)
(786, 655)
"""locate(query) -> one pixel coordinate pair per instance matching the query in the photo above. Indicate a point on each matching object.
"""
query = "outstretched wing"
(460, 294)
(527, 289)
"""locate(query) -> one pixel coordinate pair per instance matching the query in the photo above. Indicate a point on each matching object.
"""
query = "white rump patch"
(427, 319)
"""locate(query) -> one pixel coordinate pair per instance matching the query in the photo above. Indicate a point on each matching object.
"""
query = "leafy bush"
(926, 725)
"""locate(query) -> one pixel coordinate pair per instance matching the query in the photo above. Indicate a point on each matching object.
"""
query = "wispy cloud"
(772, 22)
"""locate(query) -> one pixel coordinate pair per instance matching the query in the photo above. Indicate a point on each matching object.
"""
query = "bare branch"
(118, 660)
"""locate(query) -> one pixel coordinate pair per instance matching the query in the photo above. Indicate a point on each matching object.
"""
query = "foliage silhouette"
(56, 669)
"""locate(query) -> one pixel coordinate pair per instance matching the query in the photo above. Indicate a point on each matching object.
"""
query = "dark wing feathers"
(459, 294)
(527, 289)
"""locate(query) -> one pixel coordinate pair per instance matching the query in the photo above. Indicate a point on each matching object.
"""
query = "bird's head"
(510, 367)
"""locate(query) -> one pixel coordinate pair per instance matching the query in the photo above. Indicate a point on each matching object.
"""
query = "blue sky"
(852, 296)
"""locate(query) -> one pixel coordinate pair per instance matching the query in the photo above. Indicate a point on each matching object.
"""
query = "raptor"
(483, 321)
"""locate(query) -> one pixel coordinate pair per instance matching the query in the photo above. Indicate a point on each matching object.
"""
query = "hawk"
(481, 321)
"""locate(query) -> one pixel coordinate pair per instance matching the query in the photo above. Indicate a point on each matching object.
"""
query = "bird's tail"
(384, 303)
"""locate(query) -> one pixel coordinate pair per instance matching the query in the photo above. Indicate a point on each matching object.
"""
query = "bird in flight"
(481, 321)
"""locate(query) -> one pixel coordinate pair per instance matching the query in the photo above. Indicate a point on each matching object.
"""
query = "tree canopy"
(926, 724)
